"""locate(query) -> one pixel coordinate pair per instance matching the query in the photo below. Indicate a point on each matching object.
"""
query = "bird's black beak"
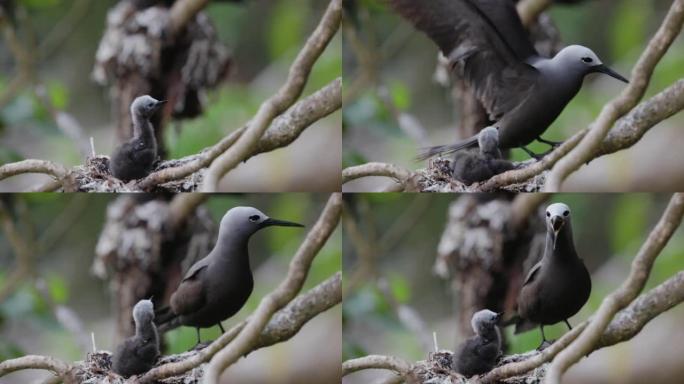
(159, 104)
(499, 317)
(280, 223)
(556, 224)
(604, 69)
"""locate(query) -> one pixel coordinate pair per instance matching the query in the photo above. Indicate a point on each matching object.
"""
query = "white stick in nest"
(434, 339)
(92, 146)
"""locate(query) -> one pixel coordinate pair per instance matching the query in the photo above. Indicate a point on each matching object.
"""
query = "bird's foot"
(552, 143)
(201, 346)
(545, 344)
(534, 155)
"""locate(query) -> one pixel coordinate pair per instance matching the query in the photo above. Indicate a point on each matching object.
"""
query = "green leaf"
(59, 291)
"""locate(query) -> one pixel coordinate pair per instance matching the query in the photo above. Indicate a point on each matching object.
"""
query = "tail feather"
(447, 149)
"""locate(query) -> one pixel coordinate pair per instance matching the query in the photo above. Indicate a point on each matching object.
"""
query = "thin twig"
(283, 99)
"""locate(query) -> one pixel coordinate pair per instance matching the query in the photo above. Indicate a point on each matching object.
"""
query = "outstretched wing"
(485, 40)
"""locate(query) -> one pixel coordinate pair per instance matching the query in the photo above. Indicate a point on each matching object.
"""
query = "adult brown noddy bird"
(559, 285)
(134, 158)
(479, 354)
(217, 286)
(485, 41)
(472, 165)
(137, 354)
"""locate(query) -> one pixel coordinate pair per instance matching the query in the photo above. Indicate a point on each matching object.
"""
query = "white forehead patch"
(557, 209)
(579, 52)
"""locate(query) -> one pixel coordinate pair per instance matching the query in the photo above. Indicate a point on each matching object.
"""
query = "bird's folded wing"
(532, 273)
(190, 295)
(485, 40)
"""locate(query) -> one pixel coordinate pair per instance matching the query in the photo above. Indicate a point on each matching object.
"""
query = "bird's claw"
(545, 344)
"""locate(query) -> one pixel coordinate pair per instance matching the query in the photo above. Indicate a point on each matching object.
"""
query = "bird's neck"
(146, 331)
(564, 247)
(232, 247)
(143, 129)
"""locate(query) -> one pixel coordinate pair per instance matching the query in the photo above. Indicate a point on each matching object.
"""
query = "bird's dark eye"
(548, 214)
(566, 213)
(587, 59)
(254, 218)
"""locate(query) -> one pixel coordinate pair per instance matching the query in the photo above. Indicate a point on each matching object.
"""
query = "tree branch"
(400, 175)
(396, 364)
(641, 75)
(529, 10)
(631, 128)
(283, 131)
(56, 366)
(56, 170)
(628, 322)
(283, 99)
(182, 12)
(620, 298)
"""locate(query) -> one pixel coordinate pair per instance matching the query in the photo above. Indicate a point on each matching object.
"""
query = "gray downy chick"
(479, 354)
(137, 354)
(470, 166)
(134, 159)
(559, 285)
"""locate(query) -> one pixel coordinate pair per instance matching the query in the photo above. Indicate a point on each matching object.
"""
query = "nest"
(437, 370)
(95, 176)
(97, 369)
(437, 178)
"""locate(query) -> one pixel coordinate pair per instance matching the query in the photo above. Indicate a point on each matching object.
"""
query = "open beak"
(280, 223)
(604, 69)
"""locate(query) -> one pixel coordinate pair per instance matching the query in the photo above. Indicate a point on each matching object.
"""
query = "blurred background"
(263, 36)
(60, 301)
(397, 292)
(390, 73)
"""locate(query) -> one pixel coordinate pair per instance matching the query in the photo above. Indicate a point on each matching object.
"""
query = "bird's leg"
(568, 324)
(224, 331)
(545, 343)
(199, 340)
(532, 154)
(552, 143)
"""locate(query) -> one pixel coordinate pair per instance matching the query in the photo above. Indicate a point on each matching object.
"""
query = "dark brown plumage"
(217, 286)
(559, 285)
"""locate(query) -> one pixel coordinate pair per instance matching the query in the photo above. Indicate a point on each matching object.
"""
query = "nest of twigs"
(97, 369)
(95, 176)
(437, 178)
(437, 370)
